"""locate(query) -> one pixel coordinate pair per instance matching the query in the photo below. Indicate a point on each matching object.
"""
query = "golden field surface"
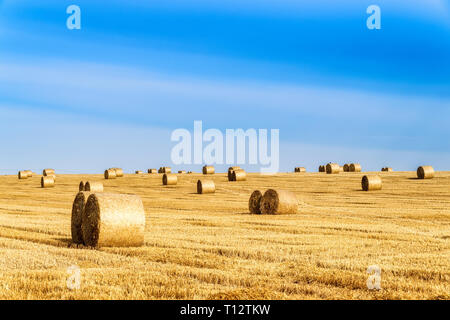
(210, 247)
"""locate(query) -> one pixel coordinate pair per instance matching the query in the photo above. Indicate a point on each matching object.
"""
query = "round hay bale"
(333, 168)
(169, 179)
(47, 172)
(166, 170)
(22, 175)
(93, 186)
(81, 186)
(181, 171)
(230, 172)
(152, 171)
(371, 183)
(346, 167)
(138, 172)
(110, 174)
(77, 213)
(279, 202)
(208, 170)
(113, 220)
(300, 169)
(425, 172)
(322, 168)
(119, 172)
(355, 167)
(29, 173)
(254, 203)
(47, 182)
(387, 169)
(205, 186)
(238, 175)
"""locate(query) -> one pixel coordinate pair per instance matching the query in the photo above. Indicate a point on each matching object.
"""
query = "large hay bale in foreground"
(47, 182)
(333, 168)
(425, 172)
(208, 170)
(254, 202)
(81, 186)
(230, 172)
(169, 179)
(371, 183)
(346, 167)
(205, 186)
(355, 167)
(77, 213)
(93, 186)
(47, 172)
(322, 168)
(300, 169)
(113, 220)
(279, 202)
(22, 175)
(238, 175)
(110, 174)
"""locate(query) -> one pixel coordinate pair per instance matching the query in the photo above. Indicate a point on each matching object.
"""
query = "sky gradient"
(110, 94)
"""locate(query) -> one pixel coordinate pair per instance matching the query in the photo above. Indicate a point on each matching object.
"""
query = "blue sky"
(111, 93)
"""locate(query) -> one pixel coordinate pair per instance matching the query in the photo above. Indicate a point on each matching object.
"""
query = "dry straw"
(387, 169)
(346, 167)
(355, 167)
(47, 182)
(169, 179)
(113, 220)
(22, 175)
(208, 170)
(81, 186)
(300, 169)
(93, 186)
(425, 172)
(110, 174)
(152, 171)
(47, 172)
(230, 172)
(279, 202)
(371, 183)
(77, 213)
(254, 203)
(205, 186)
(322, 168)
(238, 175)
(333, 168)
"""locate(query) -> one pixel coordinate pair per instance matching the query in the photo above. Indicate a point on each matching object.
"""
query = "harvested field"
(211, 247)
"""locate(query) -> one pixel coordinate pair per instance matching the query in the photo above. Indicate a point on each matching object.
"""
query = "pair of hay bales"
(113, 173)
(236, 174)
(386, 169)
(107, 220)
(352, 167)
(165, 170)
(25, 174)
(208, 170)
(90, 186)
(273, 202)
(300, 169)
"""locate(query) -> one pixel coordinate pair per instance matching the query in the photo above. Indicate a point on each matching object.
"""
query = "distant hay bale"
(119, 172)
(29, 173)
(230, 172)
(169, 179)
(47, 172)
(371, 183)
(189, 172)
(425, 172)
(138, 172)
(346, 167)
(279, 202)
(322, 168)
(254, 203)
(110, 174)
(355, 167)
(238, 175)
(181, 171)
(22, 175)
(113, 220)
(387, 169)
(205, 186)
(47, 182)
(93, 186)
(165, 170)
(300, 169)
(81, 186)
(208, 170)
(152, 171)
(333, 168)
(77, 213)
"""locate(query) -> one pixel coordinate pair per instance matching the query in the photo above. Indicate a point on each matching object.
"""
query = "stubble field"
(210, 247)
